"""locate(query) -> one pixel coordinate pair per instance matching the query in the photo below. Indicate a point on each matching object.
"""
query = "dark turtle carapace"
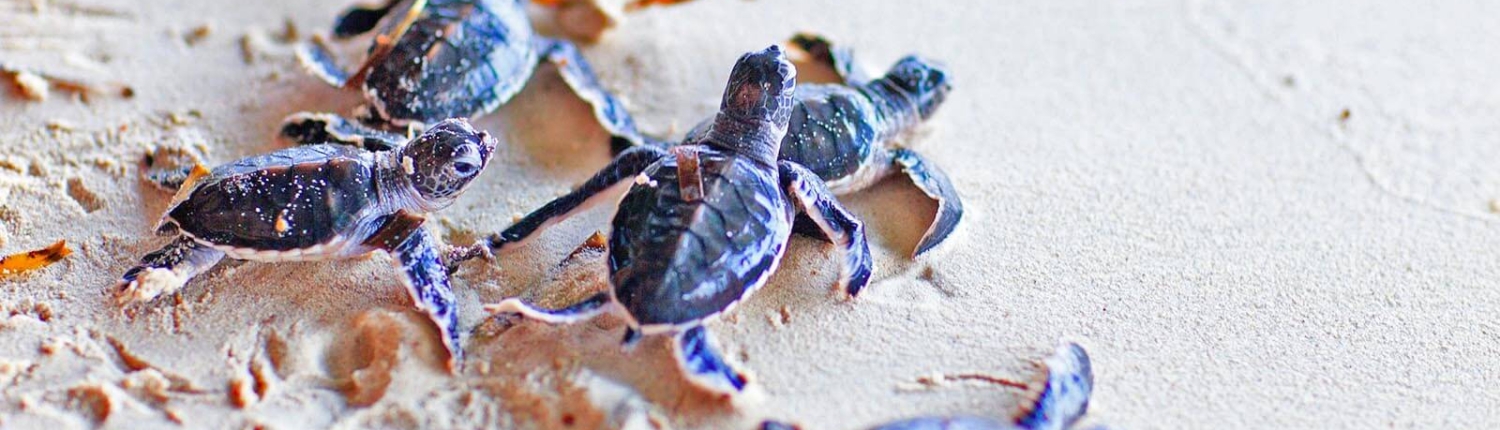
(439, 59)
(319, 202)
(848, 132)
(1058, 404)
(704, 224)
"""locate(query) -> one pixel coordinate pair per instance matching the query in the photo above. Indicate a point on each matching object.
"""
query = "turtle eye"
(464, 168)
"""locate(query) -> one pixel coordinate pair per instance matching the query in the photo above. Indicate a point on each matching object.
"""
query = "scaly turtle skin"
(439, 59)
(847, 132)
(321, 202)
(1062, 400)
(705, 224)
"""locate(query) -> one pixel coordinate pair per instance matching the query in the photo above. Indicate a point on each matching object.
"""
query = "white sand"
(1168, 182)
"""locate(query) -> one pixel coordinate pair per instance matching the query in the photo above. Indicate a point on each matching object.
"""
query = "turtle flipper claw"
(819, 205)
(165, 270)
(608, 109)
(426, 277)
(700, 358)
(316, 58)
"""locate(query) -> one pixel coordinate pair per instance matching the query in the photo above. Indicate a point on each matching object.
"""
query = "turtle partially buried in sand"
(321, 202)
(704, 224)
(439, 59)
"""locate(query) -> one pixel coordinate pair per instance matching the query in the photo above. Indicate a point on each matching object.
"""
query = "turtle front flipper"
(166, 270)
(308, 128)
(608, 110)
(935, 184)
(1065, 397)
(629, 163)
(359, 20)
(587, 308)
(819, 205)
(426, 277)
(838, 58)
(318, 60)
(705, 366)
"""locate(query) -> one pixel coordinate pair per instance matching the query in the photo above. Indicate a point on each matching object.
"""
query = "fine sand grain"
(1252, 215)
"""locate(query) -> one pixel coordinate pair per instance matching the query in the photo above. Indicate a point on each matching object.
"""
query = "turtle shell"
(293, 199)
(832, 131)
(675, 260)
(460, 58)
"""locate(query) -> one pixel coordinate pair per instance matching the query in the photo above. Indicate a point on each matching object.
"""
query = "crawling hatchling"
(850, 133)
(1057, 404)
(704, 224)
(439, 59)
(322, 202)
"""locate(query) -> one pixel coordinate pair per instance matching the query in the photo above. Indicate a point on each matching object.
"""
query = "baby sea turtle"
(320, 202)
(847, 132)
(439, 59)
(703, 225)
(1057, 405)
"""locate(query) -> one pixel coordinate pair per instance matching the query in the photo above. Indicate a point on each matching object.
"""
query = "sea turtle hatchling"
(1058, 404)
(439, 59)
(319, 202)
(848, 132)
(703, 225)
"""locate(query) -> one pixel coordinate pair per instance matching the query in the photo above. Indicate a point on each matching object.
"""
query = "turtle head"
(443, 160)
(757, 102)
(925, 80)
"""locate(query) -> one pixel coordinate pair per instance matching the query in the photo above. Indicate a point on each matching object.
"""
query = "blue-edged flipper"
(318, 60)
(626, 165)
(839, 58)
(584, 309)
(359, 20)
(935, 184)
(608, 110)
(166, 270)
(308, 128)
(426, 279)
(808, 191)
(700, 358)
(1065, 397)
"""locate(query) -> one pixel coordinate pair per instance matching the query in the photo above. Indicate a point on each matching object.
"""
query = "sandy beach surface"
(1275, 215)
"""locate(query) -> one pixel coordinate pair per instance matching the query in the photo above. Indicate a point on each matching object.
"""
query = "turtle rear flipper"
(608, 110)
(166, 270)
(1065, 397)
(838, 58)
(935, 184)
(700, 358)
(308, 128)
(587, 308)
(426, 277)
(818, 204)
(318, 60)
(359, 20)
